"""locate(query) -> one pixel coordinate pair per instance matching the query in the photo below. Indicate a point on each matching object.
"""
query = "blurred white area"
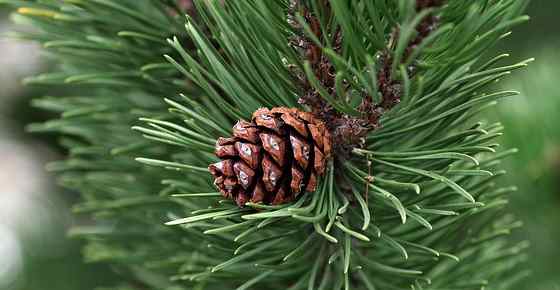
(26, 191)
(29, 207)
(12, 258)
(17, 59)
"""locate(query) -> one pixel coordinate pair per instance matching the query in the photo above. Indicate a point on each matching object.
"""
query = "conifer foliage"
(407, 201)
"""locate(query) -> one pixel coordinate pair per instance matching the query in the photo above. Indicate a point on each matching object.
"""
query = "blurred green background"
(34, 214)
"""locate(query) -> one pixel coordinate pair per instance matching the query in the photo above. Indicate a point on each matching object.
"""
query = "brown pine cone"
(273, 158)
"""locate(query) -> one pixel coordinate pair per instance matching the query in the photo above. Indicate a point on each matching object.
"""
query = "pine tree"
(407, 200)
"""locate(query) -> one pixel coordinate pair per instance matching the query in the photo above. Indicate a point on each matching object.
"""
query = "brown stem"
(348, 132)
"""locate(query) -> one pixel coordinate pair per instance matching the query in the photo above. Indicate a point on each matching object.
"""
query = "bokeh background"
(34, 213)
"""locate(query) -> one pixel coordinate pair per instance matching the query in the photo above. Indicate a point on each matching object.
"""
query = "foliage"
(417, 207)
(531, 124)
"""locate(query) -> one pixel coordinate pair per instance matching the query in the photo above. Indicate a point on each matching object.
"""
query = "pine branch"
(349, 131)
(435, 215)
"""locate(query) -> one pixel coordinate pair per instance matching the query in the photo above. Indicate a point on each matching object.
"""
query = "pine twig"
(348, 131)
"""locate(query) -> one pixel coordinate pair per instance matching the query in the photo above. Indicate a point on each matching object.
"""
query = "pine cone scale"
(273, 158)
(275, 146)
(247, 153)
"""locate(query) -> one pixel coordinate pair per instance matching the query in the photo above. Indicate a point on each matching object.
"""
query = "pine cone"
(273, 158)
